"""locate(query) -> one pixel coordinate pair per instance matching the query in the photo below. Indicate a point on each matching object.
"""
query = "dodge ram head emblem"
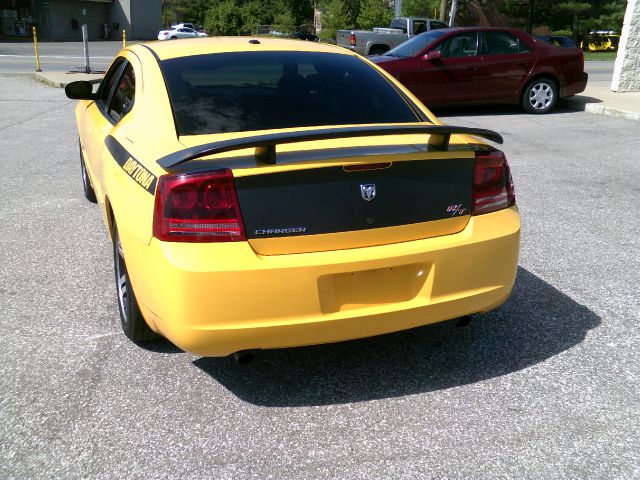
(368, 191)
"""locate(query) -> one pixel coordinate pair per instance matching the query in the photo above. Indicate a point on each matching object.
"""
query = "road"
(20, 57)
(544, 387)
(600, 73)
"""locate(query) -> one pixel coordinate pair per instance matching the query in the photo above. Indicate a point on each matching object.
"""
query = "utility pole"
(452, 14)
(397, 10)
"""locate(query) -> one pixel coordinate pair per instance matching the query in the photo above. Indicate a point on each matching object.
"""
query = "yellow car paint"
(321, 297)
(195, 294)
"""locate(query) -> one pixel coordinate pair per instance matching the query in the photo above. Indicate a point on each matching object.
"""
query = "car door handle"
(523, 64)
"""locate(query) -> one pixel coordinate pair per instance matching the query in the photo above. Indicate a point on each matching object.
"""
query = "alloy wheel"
(541, 96)
(121, 278)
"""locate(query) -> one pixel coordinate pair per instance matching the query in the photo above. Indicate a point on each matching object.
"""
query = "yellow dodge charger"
(266, 193)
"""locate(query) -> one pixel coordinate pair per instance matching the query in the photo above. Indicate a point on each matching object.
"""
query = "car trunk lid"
(316, 197)
(348, 206)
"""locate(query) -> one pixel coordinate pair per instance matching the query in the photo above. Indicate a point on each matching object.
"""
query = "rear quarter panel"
(562, 63)
(145, 134)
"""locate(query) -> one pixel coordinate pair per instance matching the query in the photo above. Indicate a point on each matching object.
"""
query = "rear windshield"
(236, 92)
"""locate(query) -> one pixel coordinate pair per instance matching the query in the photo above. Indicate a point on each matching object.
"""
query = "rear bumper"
(575, 87)
(217, 299)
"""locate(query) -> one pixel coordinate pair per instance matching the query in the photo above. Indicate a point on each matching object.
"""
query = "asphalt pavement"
(544, 387)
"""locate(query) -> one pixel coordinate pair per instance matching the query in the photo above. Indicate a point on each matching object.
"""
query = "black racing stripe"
(153, 52)
(164, 79)
(411, 104)
(331, 200)
(131, 166)
(117, 151)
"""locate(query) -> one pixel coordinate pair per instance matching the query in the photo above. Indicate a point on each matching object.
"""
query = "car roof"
(204, 46)
(484, 29)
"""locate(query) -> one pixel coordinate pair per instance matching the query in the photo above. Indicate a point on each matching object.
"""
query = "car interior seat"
(458, 47)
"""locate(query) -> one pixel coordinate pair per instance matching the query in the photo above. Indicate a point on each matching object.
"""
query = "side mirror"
(81, 90)
(433, 55)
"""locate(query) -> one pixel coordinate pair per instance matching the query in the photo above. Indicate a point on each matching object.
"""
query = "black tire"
(133, 324)
(540, 96)
(378, 51)
(86, 181)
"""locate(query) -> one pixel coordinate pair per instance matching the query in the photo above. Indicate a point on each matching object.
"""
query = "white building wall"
(626, 72)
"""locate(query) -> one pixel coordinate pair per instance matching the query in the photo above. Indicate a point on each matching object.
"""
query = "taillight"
(352, 39)
(492, 183)
(200, 207)
(581, 61)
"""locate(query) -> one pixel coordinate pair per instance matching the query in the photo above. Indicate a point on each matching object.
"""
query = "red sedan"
(486, 65)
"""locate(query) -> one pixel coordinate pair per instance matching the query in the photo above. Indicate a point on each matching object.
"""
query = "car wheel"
(378, 51)
(89, 193)
(133, 324)
(540, 96)
(173, 38)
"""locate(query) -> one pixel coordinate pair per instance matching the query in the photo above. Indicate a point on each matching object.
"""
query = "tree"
(421, 8)
(374, 13)
(574, 10)
(338, 14)
(224, 18)
(184, 10)
(567, 15)
(609, 17)
(443, 10)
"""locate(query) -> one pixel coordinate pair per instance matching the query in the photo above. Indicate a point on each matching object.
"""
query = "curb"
(45, 78)
(17, 74)
(57, 83)
(599, 109)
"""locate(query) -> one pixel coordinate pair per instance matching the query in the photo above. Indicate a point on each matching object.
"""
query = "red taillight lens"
(352, 39)
(492, 183)
(199, 207)
(581, 61)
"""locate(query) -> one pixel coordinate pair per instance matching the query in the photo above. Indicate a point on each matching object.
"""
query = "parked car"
(601, 41)
(181, 32)
(557, 40)
(265, 193)
(381, 40)
(305, 35)
(464, 66)
(184, 25)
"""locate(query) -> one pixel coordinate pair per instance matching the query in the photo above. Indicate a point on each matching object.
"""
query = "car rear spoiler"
(265, 145)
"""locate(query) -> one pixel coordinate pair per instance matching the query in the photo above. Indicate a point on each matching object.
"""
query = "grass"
(600, 56)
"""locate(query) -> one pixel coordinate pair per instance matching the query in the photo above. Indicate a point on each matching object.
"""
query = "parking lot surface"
(544, 387)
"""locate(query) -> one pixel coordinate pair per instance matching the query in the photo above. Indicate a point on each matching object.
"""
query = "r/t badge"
(456, 209)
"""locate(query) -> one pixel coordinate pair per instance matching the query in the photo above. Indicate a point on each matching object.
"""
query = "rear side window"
(419, 26)
(503, 43)
(236, 92)
(437, 25)
(400, 24)
(123, 96)
(462, 45)
(106, 86)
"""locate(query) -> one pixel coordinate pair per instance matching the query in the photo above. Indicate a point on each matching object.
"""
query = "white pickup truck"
(380, 40)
